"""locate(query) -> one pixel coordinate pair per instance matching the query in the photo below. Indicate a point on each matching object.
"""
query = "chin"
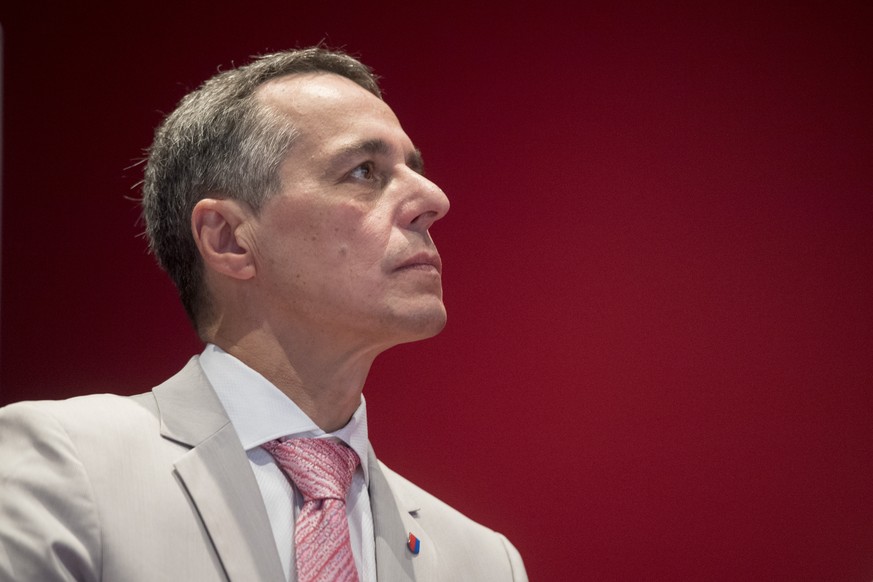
(423, 325)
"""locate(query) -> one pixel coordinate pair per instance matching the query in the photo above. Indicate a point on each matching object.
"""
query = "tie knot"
(319, 468)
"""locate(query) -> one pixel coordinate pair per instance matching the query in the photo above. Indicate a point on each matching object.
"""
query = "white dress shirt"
(260, 412)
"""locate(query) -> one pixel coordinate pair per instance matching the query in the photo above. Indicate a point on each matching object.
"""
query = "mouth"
(429, 262)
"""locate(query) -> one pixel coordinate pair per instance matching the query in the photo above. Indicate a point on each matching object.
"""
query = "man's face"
(344, 250)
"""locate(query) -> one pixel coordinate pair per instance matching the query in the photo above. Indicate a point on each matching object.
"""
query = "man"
(290, 209)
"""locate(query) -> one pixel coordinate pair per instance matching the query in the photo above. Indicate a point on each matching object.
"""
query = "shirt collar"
(260, 412)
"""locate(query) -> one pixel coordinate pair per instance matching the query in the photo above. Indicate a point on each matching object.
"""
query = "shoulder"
(48, 501)
(100, 416)
(464, 546)
(417, 500)
(85, 436)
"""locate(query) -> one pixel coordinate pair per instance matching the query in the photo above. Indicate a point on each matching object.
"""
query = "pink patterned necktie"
(322, 472)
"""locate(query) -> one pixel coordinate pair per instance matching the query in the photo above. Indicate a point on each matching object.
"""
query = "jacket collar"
(217, 476)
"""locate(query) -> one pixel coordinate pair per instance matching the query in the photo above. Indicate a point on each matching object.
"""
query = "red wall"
(659, 260)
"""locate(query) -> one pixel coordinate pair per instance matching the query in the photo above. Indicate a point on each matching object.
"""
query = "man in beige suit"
(291, 211)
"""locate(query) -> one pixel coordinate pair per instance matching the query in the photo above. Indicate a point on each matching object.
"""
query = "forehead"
(324, 106)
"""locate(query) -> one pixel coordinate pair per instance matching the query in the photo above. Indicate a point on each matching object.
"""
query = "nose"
(425, 204)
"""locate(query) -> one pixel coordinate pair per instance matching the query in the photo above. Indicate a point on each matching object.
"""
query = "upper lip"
(423, 258)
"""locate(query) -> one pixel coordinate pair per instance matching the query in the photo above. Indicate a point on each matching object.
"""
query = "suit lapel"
(394, 518)
(217, 476)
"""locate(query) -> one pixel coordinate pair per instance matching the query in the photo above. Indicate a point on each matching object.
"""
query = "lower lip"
(422, 267)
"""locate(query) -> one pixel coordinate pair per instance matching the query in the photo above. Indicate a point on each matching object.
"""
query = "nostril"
(425, 219)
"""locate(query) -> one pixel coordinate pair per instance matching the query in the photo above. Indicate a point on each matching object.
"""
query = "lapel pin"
(414, 544)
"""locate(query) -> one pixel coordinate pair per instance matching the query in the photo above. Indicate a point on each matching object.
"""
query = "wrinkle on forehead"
(334, 114)
(304, 93)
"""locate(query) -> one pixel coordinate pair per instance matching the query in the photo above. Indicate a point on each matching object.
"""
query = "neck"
(325, 383)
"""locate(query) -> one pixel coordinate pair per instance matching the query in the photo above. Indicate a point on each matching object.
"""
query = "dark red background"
(659, 261)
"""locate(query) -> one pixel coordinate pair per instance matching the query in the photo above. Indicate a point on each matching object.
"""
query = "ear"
(218, 227)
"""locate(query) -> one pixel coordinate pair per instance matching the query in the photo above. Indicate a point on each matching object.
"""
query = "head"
(291, 180)
(222, 142)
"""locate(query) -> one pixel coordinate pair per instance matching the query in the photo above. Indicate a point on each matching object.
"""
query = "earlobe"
(218, 226)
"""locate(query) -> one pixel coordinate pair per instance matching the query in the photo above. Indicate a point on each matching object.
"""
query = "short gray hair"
(221, 142)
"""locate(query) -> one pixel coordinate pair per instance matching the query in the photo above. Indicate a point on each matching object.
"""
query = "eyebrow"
(379, 147)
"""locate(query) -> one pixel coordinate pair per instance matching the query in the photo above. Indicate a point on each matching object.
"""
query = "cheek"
(329, 235)
(347, 239)
(360, 239)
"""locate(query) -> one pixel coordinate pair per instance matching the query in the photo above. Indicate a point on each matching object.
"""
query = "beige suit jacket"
(158, 487)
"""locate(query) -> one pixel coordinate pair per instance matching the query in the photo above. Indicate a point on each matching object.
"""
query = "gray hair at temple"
(221, 142)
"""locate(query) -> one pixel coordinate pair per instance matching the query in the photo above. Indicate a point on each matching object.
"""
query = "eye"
(363, 172)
